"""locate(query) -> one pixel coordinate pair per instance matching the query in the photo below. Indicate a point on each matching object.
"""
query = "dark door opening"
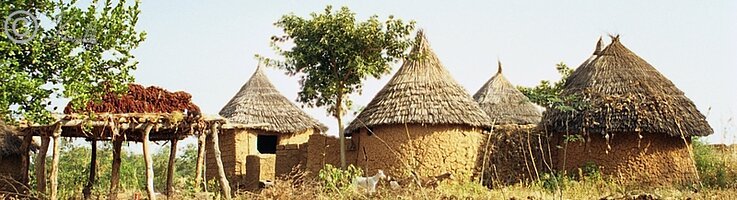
(266, 144)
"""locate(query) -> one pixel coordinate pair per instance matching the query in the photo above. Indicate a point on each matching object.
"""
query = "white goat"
(369, 183)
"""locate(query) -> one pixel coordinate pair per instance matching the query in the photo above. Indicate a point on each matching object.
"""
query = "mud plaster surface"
(430, 150)
(656, 159)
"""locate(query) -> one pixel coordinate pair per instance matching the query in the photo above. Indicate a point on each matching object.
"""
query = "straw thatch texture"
(622, 93)
(10, 143)
(258, 101)
(504, 103)
(421, 92)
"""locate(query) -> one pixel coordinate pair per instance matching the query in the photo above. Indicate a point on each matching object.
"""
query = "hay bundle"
(515, 153)
(141, 100)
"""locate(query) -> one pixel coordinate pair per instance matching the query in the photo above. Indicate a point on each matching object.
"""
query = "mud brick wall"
(290, 157)
(429, 150)
(323, 149)
(514, 154)
(654, 159)
(259, 167)
(10, 168)
(235, 145)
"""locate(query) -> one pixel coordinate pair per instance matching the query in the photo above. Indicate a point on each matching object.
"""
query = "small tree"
(87, 51)
(334, 53)
(549, 94)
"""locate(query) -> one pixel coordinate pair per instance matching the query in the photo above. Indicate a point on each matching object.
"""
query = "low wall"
(291, 157)
(323, 149)
(258, 168)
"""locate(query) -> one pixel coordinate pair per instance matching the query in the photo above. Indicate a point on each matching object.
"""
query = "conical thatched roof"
(504, 103)
(258, 101)
(622, 93)
(421, 92)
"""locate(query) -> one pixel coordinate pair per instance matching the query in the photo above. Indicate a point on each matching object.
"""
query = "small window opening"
(266, 144)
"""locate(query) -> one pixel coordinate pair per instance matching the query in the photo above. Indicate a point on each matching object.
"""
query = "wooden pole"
(25, 162)
(221, 172)
(170, 174)
(115, 171)
(149, 163)
(41, 165)
(87, 191)
(200, 161)
(55, 164)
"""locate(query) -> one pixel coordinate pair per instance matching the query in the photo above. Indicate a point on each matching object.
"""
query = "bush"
(717, 169)
(336, 179)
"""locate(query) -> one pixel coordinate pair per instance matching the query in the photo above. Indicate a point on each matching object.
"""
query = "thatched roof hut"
(423, 114)
(624, 93)
(248, 151)
(504, 103)
(258, 101)
(635, 123)
(421, 92)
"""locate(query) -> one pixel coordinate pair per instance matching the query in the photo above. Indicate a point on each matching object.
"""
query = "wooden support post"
(41, 165)
(200, 161)
(221, 172)
(87, 191)
(170, 170)
(115, 171)
(25, 161)
(149, 163)
(55, 163)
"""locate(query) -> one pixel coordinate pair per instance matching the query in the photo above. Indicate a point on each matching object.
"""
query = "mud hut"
(504, 103)
(258, 102)
(630, 121)
(422, 121)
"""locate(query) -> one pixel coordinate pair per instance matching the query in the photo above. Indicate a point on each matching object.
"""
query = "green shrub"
(336, 179)
(716, 169)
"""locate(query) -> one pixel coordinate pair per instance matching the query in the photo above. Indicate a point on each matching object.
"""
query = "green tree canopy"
(85, 53)
(333, 53)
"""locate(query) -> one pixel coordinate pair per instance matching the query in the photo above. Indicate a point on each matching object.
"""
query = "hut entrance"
(266, 144)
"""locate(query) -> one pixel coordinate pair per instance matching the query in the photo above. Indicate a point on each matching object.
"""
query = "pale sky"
(207, 49)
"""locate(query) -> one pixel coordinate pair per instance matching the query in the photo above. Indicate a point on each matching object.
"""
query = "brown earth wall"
(515, 153)
(428, 150)
(291, 157)
(323, 149)
(259, 167)
(235, 145)
(655, 159)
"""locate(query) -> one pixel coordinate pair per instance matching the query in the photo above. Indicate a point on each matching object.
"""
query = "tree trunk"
(55, 164)
(200, 161)
(341, 132)
(41, 165)
(25, 162)
(170, 170)
(221, 172)
(115, 171)
(149, 163)
(87, 191)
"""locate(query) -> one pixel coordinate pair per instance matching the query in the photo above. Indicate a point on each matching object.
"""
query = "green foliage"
(86, 51)
(336, 179)
(74, 170)
(549, 94)
(334, 53)
(716, 169)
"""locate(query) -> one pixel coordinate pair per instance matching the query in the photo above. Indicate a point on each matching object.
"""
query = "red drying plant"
(141, 100)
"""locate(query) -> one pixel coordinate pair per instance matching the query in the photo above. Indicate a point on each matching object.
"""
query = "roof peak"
(599, 46)
(499, 66)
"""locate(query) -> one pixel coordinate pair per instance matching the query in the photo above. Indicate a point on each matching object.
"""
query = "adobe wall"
(323, 149)
(259, 167)
(291, 157)
(655, 160)
(235, 145)
(430, 150)
(515, 153)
